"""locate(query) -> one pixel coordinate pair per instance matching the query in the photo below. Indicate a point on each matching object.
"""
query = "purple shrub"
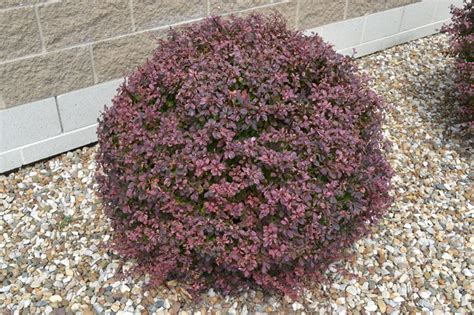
(461, 31)
(242, 154)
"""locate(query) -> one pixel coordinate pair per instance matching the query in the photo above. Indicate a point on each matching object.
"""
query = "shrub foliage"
(461, 31)
(242, 154)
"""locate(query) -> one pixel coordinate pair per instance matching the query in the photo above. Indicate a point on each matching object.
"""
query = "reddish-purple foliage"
(242, 154)
(461, 31)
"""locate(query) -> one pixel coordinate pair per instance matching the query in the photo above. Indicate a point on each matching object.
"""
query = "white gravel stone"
(370, 306)
(55, 298)
(424, 294)
(297, 306)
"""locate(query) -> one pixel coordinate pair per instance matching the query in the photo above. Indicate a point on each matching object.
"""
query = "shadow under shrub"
(242, 154)
(461, 31)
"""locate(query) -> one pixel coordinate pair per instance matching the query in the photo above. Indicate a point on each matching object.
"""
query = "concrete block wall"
(378, 30)
(62, 60)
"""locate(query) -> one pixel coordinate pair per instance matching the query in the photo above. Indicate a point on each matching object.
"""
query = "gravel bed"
(53, 230)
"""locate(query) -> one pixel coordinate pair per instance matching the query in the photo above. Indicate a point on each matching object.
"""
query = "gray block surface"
(382, 24)
(10, 160)
(417, 15)
(81, 108)
(28, 123)
(344, 34)
(64, 142)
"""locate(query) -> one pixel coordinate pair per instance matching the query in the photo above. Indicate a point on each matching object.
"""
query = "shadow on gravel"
(445, 113)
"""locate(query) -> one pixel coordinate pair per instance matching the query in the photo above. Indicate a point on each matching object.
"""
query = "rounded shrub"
(242, 154)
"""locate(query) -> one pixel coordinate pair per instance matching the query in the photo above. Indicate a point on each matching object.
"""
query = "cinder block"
(312, 31)
(366, 48)
(5, 4)
(287, 9)
(28, 123)
(346, 51)
(81, 108)
(345, 33)
(150, 14)
(357, 8)
(2, 103)
(67, 23)
(443, 9)
(10, 160)
(227, 6)
(42, 76)
(418, 32)
(118, 57)
(19, 34)
(62, 143)
(15, 3)
(382, 24)
(417, 15)
(389, 41)
(313, 13)
(398, 3)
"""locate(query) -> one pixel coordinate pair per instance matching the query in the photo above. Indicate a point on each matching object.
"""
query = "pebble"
(98, 309)
(297, 306)
(124, 288)
(351, 290)
(370, 306)
(55, 298)
(157, 305)
(115, 307)
(381, 305)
